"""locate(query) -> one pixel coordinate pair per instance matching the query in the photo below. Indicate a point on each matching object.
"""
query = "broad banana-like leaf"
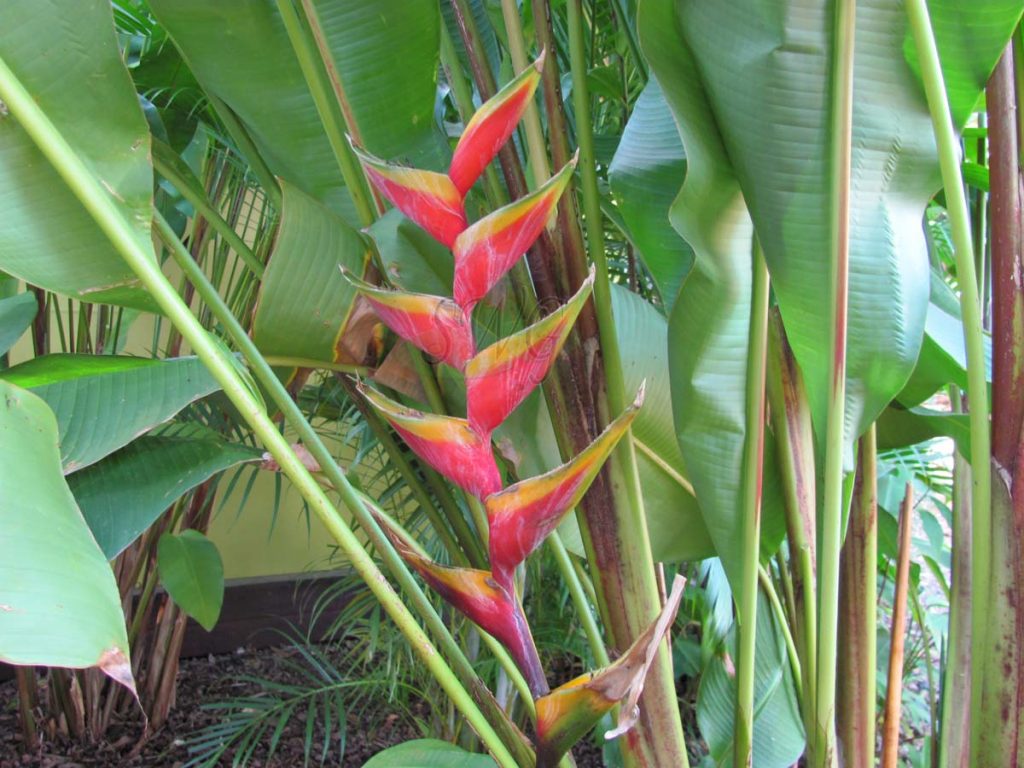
(16, 314)
(500, 377)
(447, 444)
(428, 198)
(566, 714)
(428, 753)
(103, 402)
(304, 303)
(644, 176)
(59, 605)
(483, 601)
(66, 56)
(435, 324)
(411, 259)
(522, 515)
(388, 101)
(491, 126)
(192, 572)
(491, 246)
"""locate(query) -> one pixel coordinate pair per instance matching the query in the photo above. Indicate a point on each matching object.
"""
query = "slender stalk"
(329, 110)
(579, 599)
(26, 677)
(531, 118)
(765, 580)
(855, 709)
(970, 309)
(248, 149)
(751, 481)
(832, 502)
(894, 693)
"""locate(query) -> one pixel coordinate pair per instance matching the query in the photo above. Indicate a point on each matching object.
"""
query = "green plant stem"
(579, 599)
(203, 206)
(751, 481)
(659, 739)
(248, 149)
(123, 237)
(531, 118)
(329, 110)
(306, 362)
(970, 309)
(844, 24)
(780, 618)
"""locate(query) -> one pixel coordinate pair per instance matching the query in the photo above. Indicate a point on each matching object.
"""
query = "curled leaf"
(566, 714)
(491, 125)
(447, 444)
(522, 515)
(435, 324)
(489, 248)
(430, 199)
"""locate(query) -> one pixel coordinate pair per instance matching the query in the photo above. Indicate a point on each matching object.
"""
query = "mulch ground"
(202, 681)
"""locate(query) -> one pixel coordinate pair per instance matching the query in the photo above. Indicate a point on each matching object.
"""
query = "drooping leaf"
(16, 315)
(521, 516)
(124, 493)
(435, 324)
(79, 81)
(428, 753)
(645, 176)
(447, 444)
(104, 402)
(491, 126)
(59, 604)
(193, 574)
(500, 377)
(304, 302)
(491, 246)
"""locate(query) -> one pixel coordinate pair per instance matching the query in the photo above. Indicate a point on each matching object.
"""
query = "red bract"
(500, 377)
(489, 248)
(430, 199)
(522, 516)
(447, 444)
(435, 324)
(490, 127)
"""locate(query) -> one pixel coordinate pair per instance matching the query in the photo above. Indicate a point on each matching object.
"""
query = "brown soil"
(211, 679)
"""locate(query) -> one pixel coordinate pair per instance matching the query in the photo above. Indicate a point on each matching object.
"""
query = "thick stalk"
(750, 493)
(631, 588)
(841, 131)
(970, 310)
(894, 692)
(855, 709)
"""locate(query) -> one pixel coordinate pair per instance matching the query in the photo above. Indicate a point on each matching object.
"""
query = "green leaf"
(304, 301)
(778, 731)
(645, 176)
(901, 427)
(124, 493)
(411, 258)
(16, 315)
(390, 98)
(428, 753)
(193, 575)
(46, 237)
(104, 402)
(59, 605)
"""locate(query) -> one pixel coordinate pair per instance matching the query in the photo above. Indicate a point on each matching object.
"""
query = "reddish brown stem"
(894, 693)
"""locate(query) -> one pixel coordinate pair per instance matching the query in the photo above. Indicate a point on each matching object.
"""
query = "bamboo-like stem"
(841, 132)
(329, 110)
(765, 580)
(752, 473)
(855, 709)
(26, 677)
(208, 212)
(894, 693)
(579, 599)
(531, 118)
(970, 309)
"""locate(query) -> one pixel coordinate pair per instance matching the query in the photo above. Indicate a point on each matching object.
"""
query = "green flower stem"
(329, 110)
(535, 144)
(970, 309)
(208, 212)
(630, 596)
(752, 473)
(579, 599)
(825, 752)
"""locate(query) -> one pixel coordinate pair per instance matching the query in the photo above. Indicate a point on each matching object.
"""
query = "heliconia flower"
(479, 597)
(566, 714)
(500, 377)
(446, 443)
(430, 199)
(489, 248)
(491, 125)
(435, 324)
(522, 515)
